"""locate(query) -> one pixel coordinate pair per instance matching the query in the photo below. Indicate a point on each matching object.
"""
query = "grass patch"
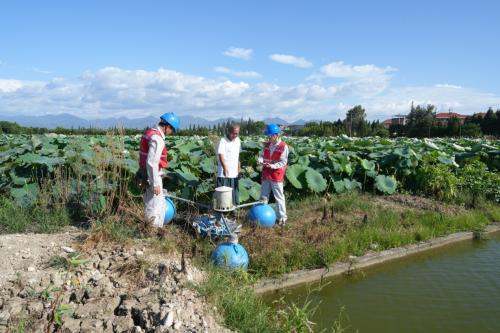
(111, 230)
(244, 311)
(321, 233)
(15, 219)
(71, 262)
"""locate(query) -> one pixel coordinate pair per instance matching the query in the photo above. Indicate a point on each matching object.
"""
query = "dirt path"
(109, 289)
(24, 253)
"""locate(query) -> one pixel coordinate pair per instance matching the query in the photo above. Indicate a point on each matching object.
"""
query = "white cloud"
(340, 70)
(8, 86)
(360, 80)
(291, 60)
(239, 52)
(242, 74)
(41, 71)
(446, 85)
(461, 100)
(113, 92)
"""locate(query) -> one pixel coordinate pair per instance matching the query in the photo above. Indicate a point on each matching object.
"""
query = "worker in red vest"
(152, 161)
(274, 160)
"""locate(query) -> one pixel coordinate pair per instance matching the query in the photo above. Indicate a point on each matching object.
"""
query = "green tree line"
(354, 124)
(422, 122)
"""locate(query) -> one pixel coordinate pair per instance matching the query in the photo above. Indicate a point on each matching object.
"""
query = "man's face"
(168, 130)
(234, 133)
(273, 138)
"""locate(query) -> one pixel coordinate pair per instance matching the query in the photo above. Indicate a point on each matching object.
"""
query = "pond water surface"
(451, 289)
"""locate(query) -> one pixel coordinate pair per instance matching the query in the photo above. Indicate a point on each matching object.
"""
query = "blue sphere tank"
(262, 214)
(169, 211)
(230, 255)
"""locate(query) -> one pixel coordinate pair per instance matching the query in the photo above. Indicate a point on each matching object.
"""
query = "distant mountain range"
(68, 121)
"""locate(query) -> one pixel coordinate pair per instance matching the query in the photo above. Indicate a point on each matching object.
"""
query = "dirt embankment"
(110, 289)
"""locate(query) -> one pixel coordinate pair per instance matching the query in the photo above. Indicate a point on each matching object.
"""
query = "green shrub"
(437, 180)
(476, 180)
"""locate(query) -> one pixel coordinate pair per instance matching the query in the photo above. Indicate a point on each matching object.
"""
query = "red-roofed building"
(399, 119)
(443, 117)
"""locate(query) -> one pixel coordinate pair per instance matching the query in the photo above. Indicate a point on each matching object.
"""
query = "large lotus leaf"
(367, 165)
(385, 184)
(346, 185)
(407, 163)
(244, 192)
(379, 154)
(87, 155)
(11, 154)
(315, 180)
(405, 152)
(255, 192)
(194, 159)
(348, 168)
(250, 145)
(187, 176)
(205, 186)
(34, 159)
(487, 146)
(303, 160)
(372, 173)
(448, 161)
(19, 177)
(185, 148)
(253, 188)
(246, 182)
(337, 167)
(49, 150)
(306, 151)
(294, 175)
(187, 192)
(339, 186)
(69, 153)
(131, 165)
(351, 185)
(25, 196)
(250, 171)
(35, 141)
(430, 144)
(208, 164)
(457, 147)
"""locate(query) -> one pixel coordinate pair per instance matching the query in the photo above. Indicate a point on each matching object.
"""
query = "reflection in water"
(453, 289)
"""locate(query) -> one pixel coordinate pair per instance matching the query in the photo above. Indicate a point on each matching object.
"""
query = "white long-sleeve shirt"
(156, 145)
(283, 158)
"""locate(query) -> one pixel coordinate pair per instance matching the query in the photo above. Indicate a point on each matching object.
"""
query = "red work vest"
(275, 175)
(143, 154)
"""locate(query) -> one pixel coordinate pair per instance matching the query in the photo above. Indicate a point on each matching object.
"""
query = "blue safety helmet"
(171, 119)
(272, 129)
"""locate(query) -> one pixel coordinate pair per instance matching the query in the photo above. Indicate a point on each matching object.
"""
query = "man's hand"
(225, 172)
(157, 190)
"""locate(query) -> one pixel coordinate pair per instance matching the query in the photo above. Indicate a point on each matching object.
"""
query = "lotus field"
(316, 165)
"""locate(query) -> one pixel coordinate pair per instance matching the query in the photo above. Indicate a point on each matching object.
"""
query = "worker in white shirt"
(274, 160)
(152, 161)
(228, 160)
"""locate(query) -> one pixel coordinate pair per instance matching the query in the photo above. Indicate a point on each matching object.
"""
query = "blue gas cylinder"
(230, 255)
(262, 214)
(169, 210)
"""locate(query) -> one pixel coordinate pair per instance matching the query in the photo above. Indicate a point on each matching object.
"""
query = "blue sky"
(293, 59)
